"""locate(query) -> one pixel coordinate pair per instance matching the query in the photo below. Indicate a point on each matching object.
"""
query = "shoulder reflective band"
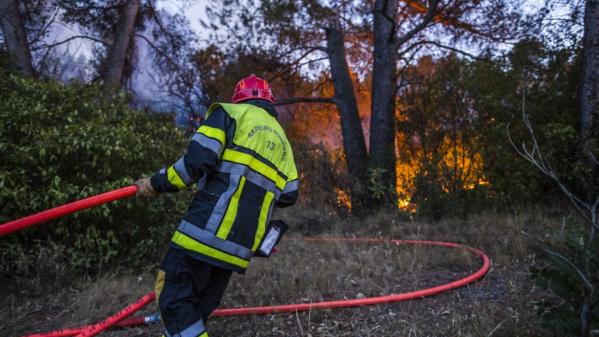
(256, 165)
(209, 143)
(214, 133)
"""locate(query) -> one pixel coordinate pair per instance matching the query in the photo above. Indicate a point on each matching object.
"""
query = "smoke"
(61, 55)
(164, 78)
(147, 82)
(68, 52)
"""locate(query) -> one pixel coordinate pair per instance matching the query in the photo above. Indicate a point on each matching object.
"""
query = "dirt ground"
(503, 303)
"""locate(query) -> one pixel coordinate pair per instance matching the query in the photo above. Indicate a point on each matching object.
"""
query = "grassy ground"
(502, 304)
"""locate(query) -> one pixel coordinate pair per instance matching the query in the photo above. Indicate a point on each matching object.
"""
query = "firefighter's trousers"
(187, 291)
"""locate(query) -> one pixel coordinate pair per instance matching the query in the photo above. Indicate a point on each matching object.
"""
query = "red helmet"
(252, 87)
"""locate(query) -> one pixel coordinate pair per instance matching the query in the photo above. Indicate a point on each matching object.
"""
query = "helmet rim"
(252, 87)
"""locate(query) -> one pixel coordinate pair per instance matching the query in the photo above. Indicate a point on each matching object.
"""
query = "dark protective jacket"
(243, 164)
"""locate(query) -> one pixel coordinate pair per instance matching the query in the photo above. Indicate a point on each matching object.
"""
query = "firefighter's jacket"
(243, 164)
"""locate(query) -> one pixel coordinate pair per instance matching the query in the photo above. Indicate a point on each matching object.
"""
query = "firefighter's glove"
(145, 188)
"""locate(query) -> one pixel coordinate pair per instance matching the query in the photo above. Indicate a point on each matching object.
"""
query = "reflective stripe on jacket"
(244, 167)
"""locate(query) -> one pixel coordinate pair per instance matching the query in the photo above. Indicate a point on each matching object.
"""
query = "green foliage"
(444, 128)
(544, 83)
(472, 104)
(562, 278)
(433, 202)
(60, 143)
(375, 188)
(321, 174)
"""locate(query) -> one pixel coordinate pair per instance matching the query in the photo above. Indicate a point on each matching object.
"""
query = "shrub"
(559, 277)
(60, 143)
(322, 177)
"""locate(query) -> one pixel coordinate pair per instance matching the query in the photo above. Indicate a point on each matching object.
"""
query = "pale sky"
(193, 10)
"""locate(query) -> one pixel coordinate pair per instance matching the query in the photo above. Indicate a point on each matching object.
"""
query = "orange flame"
(319, 123)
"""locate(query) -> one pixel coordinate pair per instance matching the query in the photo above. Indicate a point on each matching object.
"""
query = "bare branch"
(92, 6)
(430, 15)
(535, 156)
(42, 32)
(457, 50)
(291, 65)
(166, 33)
(52, 45)
(287, 101)
(158, 50)
(417, 44)
(315, 89)
(445, 19)
(567, 261)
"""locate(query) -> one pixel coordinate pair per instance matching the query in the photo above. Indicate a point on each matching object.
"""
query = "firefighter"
(243, 165)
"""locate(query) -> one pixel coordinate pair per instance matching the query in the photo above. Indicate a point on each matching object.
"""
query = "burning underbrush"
(501, 304)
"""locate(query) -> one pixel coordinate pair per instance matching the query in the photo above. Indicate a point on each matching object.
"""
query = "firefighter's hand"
(145, 188)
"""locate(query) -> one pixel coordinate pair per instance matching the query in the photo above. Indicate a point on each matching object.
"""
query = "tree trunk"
(15, 37)
(591, 299)
(586, 314)
(384, 88)
(353, 138)
(115, 62)
(589, 96)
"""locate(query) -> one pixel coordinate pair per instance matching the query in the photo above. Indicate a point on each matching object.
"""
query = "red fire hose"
(57, 212)
(135, 321)
(113, 320)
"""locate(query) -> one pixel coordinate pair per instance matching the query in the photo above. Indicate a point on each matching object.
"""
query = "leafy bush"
(60, 143)
(321, 175)
(563, 280)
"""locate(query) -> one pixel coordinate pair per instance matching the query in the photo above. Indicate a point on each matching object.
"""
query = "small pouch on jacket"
(273, 234)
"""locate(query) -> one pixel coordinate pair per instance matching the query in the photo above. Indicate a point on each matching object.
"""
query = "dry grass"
(502, 304)
(89, 302)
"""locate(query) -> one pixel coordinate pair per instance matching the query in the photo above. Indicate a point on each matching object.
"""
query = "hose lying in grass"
(92, 330)
(134, 321)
